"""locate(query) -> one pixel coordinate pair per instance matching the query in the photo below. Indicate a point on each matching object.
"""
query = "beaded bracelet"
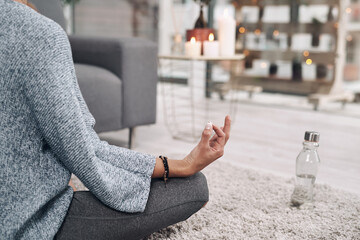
(166, 166)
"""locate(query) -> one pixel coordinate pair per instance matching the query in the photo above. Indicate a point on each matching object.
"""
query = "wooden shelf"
(236, 57)
(319, 90)
(284, 2)
(283, 85)
(289, 55)
(295, 28)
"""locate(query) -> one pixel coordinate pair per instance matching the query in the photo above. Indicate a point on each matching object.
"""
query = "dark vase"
(200, 22)
(321, 71)
(273, 69)
(248, 63)
(315, 41)
(296, 70)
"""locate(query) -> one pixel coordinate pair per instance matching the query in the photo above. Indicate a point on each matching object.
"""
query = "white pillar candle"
(193, 48)
(227, 30)
(211, 47)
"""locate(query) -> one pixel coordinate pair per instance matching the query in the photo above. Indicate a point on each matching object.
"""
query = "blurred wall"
(117, 18)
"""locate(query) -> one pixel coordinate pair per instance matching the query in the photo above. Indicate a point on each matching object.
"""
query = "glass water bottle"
(307, 164)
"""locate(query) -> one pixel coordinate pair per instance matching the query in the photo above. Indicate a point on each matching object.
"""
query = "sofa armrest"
(134, 61)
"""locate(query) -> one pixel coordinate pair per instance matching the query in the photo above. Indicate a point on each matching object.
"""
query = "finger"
(227, 126)
(206, 134)
(214, 138)
(219, 132)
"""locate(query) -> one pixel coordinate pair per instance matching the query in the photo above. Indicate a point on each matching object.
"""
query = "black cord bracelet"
(166, 166)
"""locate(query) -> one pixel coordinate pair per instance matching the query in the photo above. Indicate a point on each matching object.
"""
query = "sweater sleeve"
(118, 177)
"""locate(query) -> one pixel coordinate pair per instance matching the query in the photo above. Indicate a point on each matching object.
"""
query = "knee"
(200, 187)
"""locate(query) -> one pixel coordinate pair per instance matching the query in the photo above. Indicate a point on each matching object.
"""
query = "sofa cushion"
(101, 90)
(51, 9)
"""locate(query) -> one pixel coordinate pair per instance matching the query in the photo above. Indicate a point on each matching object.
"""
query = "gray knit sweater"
(46, 133)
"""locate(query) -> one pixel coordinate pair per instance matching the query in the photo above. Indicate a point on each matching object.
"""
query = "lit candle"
(193, 48)
(227, 35)
(211, 47)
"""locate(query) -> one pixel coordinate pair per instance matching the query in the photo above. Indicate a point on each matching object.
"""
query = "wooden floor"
(267, 136)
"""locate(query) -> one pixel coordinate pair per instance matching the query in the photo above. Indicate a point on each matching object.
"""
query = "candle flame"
(242, 30)
(192, 40)
(211, 37)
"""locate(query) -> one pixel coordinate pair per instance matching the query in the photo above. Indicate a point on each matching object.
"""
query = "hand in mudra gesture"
(210, 147)
(205, 152)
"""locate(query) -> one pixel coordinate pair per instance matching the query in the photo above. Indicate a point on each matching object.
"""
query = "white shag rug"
(245, 204)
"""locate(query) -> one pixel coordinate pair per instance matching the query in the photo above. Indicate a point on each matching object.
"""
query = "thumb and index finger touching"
(206, 134)
(222, 132)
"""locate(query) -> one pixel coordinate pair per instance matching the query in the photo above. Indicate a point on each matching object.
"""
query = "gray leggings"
(88, 218)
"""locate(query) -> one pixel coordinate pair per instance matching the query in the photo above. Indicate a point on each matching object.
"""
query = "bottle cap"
(312, 136)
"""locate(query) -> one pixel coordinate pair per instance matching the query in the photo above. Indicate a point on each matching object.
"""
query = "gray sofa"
(117, 77)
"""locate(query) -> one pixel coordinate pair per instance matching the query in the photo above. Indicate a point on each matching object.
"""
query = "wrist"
(180, 168)
(189, 165)
(177, 168)
(189, 169)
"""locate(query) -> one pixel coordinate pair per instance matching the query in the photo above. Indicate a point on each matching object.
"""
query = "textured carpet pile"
(245, 204)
